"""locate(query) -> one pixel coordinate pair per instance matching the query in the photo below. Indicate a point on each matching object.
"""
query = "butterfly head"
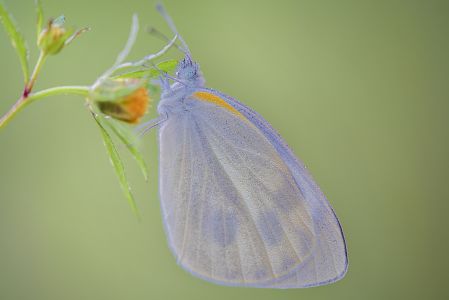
(188, 71)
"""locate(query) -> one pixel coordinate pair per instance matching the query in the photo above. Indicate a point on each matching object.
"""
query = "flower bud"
(54, 37)
(122, 99)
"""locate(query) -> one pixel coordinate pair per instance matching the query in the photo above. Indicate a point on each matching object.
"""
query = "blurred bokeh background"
(359, 89)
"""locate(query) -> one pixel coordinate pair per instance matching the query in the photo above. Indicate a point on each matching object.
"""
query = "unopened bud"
(55, 36)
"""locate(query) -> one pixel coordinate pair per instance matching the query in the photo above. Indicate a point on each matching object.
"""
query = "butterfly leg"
(147, 126)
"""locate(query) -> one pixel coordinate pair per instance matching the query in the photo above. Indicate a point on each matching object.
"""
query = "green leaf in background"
(127, 137)
(167, 66)
(17, 40)
(40, 17)
(117, 164)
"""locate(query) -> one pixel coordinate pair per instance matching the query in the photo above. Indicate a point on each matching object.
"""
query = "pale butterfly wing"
(333, 248)
(238, 208)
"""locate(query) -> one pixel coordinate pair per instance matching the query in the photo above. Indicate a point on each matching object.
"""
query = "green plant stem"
(25, 101)
(80, 90)
(37, 68)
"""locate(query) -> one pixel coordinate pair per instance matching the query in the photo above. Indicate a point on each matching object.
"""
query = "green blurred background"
(359, 89)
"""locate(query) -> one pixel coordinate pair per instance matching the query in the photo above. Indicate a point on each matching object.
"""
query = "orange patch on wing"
(209, 97)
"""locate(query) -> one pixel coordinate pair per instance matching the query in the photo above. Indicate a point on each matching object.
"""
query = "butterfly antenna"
(172, 26)
(160, 35)
(147, 126)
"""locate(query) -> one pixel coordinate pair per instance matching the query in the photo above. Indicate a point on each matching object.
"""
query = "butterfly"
(238, 207)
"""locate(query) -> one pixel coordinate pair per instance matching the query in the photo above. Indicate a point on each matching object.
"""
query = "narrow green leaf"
(130, 141)
(146, 73)
(130, 42)
(165, 66)
(168, 65)
(117, 164)
(40, 17)
(17, 40)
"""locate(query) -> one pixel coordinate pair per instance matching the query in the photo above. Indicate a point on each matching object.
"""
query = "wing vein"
(175, 211)
(189, 199)
(255, 176)
(202, 200)
(245, 206)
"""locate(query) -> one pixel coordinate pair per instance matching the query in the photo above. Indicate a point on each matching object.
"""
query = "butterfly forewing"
(236, 209)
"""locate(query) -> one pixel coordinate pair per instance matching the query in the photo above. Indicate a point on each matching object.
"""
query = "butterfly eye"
(187, 69)
(188, 72)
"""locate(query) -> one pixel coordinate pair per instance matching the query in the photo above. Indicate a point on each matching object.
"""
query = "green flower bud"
(55, 36)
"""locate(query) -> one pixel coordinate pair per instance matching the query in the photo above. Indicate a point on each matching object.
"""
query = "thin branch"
(80, 90)
(22, 102)
(37, 68)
